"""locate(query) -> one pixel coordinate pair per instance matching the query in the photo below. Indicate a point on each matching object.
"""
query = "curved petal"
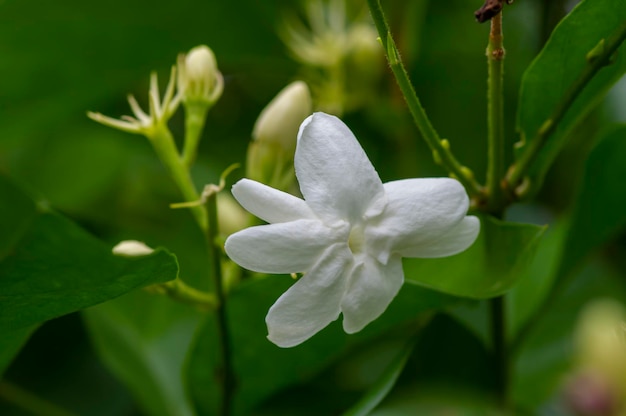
(418, 212)
(371, 288)
(286, 247)
(336, 178)
(455, 240)
(270, 204)
(313, 302)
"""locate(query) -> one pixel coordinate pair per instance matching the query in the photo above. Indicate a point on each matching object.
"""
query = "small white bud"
(280, 120)
(199, 80)
(132, 248)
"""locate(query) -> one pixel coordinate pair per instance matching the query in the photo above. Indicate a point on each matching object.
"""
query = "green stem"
(31, 403)
(181, 292)
(600, 57)
(195, 117)
(500, 350)
(495, 115)
(164, 145)
(441, 149)
(227, 374)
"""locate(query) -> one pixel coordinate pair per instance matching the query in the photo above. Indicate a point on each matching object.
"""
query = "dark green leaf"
(537, 279)
(143, 339)
(383, 385)
(11, 343)
(51, 267)
(490, 267)
(546, 355)
(560, 63)
(600, 211)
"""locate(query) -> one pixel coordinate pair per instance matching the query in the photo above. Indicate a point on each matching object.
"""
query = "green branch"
(440, 148)
(227, 374)
(597, 58)
(495, 116)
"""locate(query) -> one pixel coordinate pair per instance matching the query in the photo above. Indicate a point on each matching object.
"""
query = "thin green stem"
(181, 292)
(440, 148)
(195, 117)
(598, 58)
(500, 350)
(163, 143)
(227, 374)
(28, 401)
(495, 114)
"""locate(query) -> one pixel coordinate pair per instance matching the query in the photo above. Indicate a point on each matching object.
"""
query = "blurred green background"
(60, 59)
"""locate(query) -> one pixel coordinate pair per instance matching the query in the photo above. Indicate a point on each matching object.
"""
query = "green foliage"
(554, 72)
(61, 59)
(490, 267)
(51, 267)
(256, 359)
(600, 212)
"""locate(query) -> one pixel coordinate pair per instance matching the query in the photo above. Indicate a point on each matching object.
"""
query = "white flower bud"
(199, 80)
(280, 120)
(132, 248)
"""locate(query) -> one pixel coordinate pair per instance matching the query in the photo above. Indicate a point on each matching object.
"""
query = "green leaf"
(600, 210)
(11, 343)
(560, 63)
(143, 339)
(51, 267)
(262, 368)
(383, 385)
(537, 279)
(546, 355)
(490, 267)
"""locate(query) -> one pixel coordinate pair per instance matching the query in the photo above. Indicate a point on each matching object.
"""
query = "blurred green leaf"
(262, 368)
(490, 267)
(600, 210)
(383, 385)
(533, 286)
(559, 64)
(544, 360)
(11, 343)
(143, 339)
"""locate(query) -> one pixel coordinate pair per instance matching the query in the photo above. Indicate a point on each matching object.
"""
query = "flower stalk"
(438, 146)
(495, 116)
(227, 374)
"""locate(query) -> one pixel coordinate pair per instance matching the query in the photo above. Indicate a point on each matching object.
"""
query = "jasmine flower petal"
(418, 211)
(372, 286)
(454, 241)
(280, 248)
(336, 178)
(270, 204)
(313, 302)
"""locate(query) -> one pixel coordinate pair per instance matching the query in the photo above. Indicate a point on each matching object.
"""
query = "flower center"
(356, 239)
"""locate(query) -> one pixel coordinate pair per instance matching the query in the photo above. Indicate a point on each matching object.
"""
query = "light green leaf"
(600, 210)
(490, 267)
(560, 63)
(383, 385)
(262, 368)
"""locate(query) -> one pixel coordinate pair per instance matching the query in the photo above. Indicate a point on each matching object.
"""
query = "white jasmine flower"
(348, 235)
